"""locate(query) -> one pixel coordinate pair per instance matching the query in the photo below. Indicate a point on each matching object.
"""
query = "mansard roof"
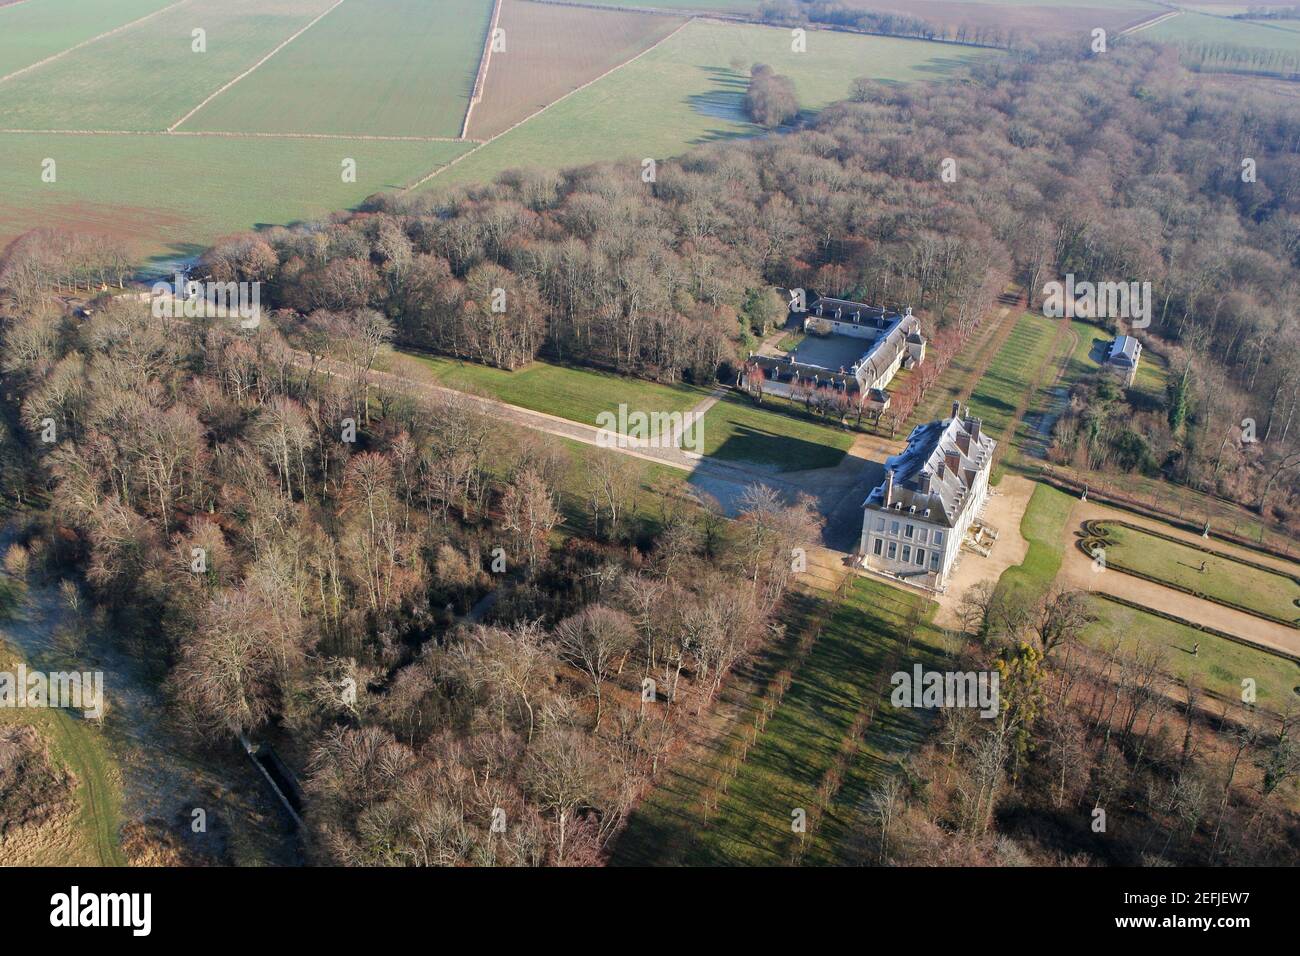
(932, 477)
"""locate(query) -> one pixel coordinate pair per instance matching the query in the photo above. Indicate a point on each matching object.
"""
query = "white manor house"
(914, 523)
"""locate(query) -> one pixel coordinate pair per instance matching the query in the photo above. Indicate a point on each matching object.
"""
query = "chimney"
(889, 487)
(973, 426)
(923, 482)
(956, 409)
(952, 458)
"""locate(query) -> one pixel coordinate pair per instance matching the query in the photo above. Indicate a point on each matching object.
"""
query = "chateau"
(914, 523)
(849, 347)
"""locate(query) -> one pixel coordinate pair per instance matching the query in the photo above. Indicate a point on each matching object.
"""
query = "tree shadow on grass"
(761, 446)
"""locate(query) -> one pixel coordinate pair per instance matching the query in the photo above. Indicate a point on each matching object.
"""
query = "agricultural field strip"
(1158, 18)
(485, 63)
(481, 143)
(334, 6)
(235, 135)
(102, 36)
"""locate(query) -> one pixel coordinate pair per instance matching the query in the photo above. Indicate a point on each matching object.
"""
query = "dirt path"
(1078, 570)
(1004, 510)
(1158, 18)
(485, 60)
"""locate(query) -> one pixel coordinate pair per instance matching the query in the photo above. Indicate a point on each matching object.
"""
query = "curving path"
(1077, 571)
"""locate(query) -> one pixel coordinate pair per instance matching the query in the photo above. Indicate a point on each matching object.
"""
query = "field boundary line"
(233, 134)
(578, 89)
(62, 53)
(1149, 22)
(485, 60)
(315, 20)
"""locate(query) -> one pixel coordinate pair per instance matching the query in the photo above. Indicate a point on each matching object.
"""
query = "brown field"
(1028, 20)
(134, 225)
(551, 50)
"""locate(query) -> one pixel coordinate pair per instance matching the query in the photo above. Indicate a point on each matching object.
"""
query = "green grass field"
(76, 745)
(177, 192)
(752, 823)
(148, 77)
(737, 430)
(688, 91)
(29, 32)
(734, 429)
(1223, 579)
(1220, 665)
(1217, 41)
(720, 6)
(576, 394)
(1042, 526)
(371, 67)
(1012, 373)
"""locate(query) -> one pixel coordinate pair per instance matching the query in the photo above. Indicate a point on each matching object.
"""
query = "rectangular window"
(907, 553)
(880, 543)
(893, 528)
(908, 532)
(938, 537)
(934, 561)
(893, 550)
(920, 557)
(923, 535)
(880, 524)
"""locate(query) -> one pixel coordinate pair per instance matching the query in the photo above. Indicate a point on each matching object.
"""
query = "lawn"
(576, 394)
(1220, 664)
(1043, 526)
(1024, 357)
(371, 67)
(76, 745)
(148, 77)
(1223, 579)
(30, 32)
(174, 193)
(1216, 42)
(735, 429)
(752, 825)
(688, 91)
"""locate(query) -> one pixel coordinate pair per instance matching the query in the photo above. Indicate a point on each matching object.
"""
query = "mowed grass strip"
(30, 32)
(689, 90)
(552, 49)
(76, 745)
(149, 76)
(576, 394)
(1043, 526)
(372, 67)
(176, 193)
(1012, 374)
(1219, 665)
(1223, 579)
(752, 825)
(735, 429)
